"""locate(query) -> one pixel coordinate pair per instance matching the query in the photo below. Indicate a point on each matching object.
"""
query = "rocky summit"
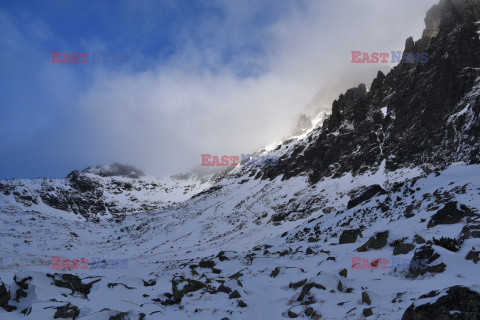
(416, 114)
(371, 214)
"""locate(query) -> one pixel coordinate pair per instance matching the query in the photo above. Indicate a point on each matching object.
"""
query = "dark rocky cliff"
(430, 110)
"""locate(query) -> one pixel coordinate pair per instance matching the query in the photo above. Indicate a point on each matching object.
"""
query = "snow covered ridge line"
(102, 192)
(247, 160)
(82, 263)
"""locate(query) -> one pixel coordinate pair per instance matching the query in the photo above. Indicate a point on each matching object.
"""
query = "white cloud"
(162, 119)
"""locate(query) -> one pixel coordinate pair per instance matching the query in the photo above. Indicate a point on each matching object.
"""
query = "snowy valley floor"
(254, 249)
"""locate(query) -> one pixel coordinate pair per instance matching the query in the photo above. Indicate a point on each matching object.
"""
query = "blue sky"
(202, 76)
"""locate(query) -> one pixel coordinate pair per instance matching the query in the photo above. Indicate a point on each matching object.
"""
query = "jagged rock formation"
(416, 114)
(304, 123)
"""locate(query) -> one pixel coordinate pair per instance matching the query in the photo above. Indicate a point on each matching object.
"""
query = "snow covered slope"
(216, 246)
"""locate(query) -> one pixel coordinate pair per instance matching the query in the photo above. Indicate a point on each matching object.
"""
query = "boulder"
(186, 285)
(473, 255)
(424, 260)
(403, 248)
(451, 213)
(454, 303)
(470, 231)
(378, 241)
(349, 236)
(5, 296)
(73, 283)
(67, 311)
(306, 289)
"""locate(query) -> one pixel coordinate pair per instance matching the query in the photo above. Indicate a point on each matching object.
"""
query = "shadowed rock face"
(365, 195)
(431, 112)
(451, 213)
(458, 303)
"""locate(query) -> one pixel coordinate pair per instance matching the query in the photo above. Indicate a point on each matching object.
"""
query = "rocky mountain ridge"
(416, 114)
(105, 191)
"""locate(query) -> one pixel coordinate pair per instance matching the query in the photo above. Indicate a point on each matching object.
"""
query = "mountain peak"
(115, 170)
(419, 113)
